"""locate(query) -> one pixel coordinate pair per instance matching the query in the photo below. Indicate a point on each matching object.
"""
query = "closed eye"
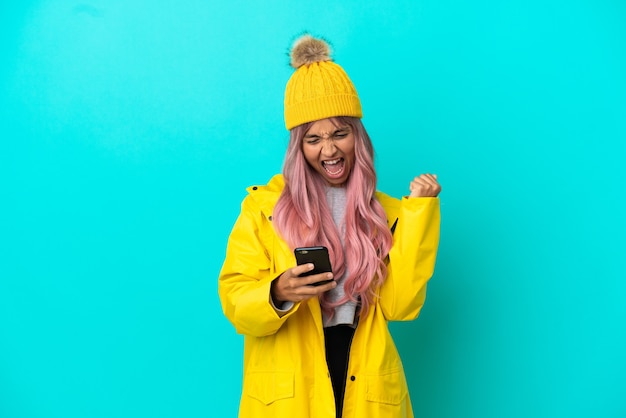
(341, 134)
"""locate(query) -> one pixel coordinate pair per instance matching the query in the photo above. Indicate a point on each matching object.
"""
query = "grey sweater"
(345, 313)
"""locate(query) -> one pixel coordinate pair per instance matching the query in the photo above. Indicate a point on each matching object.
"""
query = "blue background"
(130, 129)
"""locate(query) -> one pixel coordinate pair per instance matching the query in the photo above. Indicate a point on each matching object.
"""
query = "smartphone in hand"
(316, 255)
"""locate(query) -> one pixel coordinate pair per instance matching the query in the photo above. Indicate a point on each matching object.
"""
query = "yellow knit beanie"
(319, 88)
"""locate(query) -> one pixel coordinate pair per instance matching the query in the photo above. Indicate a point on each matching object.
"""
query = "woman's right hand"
(289, 286)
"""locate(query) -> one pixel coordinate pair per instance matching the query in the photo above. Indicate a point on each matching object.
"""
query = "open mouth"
(335, 167)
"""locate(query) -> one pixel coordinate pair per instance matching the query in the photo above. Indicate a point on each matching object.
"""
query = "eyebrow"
(343, 128)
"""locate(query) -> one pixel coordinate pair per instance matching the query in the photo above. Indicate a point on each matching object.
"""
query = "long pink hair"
(303, 218)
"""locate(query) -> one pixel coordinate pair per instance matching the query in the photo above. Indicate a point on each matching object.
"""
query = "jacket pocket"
(387, 387)
(269, 387)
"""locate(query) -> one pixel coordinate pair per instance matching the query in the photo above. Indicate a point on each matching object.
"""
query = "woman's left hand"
(425, 185)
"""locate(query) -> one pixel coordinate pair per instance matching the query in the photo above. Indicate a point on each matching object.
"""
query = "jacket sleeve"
(246, 276)
(411, 259)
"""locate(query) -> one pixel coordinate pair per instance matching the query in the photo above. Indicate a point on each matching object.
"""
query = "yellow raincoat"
(285, 371)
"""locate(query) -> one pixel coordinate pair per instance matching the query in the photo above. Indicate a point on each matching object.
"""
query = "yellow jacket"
(285, 371)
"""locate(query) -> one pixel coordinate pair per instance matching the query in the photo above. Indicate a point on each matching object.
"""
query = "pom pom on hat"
(318, 88)
(307, 50)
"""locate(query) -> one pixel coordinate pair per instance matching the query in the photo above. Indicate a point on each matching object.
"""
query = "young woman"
(325, 350)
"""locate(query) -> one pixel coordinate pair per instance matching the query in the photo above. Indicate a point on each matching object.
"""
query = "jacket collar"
(266, 196)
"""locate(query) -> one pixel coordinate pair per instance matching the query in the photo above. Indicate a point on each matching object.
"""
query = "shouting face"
(329, 148)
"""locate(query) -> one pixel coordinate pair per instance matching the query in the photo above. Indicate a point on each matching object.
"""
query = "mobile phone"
(316, 255)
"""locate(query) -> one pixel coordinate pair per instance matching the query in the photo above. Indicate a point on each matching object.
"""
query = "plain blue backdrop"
(130, 129)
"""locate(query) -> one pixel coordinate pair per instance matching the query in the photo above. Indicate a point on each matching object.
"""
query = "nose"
(328, 148)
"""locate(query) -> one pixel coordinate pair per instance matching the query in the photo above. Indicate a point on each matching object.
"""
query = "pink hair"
(302, 217)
